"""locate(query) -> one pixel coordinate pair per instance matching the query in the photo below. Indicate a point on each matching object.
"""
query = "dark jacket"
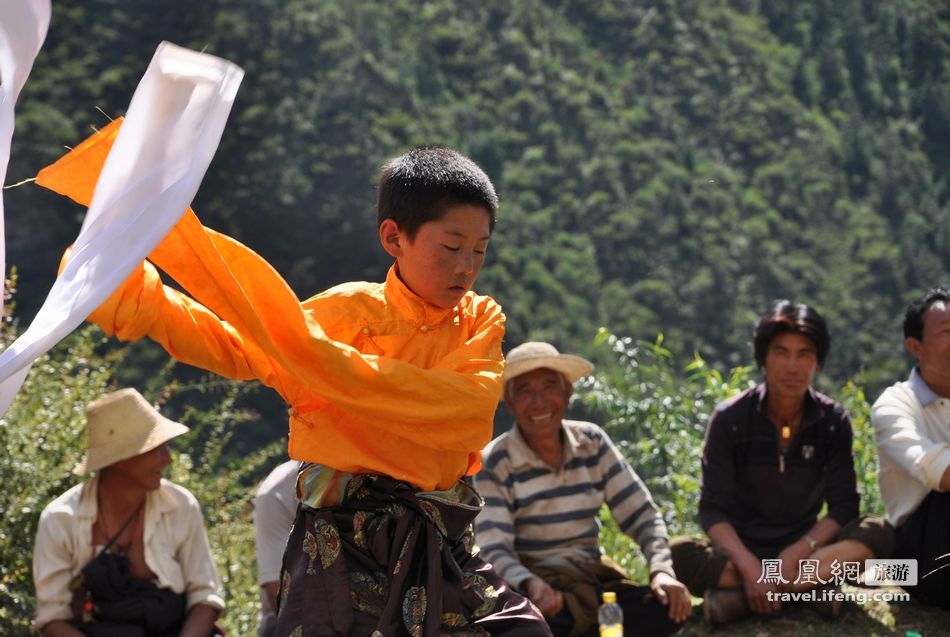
(771, 497)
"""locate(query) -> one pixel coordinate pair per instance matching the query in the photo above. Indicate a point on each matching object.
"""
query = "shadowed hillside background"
(665, 166)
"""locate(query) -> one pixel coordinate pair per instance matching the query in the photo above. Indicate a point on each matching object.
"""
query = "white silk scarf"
(23, 25)
(171, 131)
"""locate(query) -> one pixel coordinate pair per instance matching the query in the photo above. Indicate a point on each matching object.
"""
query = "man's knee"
(697, 563)
(872, 531)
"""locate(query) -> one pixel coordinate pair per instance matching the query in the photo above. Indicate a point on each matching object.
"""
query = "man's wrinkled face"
(932, 351)
(538, 399)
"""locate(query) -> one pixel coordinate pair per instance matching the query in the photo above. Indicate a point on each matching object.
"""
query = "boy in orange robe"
(392, 389)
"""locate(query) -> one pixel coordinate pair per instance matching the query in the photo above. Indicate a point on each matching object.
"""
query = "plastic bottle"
(610, 616)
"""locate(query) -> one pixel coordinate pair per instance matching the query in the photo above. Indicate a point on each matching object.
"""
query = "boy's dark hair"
(914, 317)
(784, 317)
(417, 187)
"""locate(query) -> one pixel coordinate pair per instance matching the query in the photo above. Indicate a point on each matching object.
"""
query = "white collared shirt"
(912, 430)
(176, 548)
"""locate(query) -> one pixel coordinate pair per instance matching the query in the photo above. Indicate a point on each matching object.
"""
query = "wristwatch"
(810, 541)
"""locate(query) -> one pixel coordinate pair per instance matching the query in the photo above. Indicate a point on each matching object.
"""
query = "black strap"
(124, 526)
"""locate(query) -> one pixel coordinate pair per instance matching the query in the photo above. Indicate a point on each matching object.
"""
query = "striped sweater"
(533, 512)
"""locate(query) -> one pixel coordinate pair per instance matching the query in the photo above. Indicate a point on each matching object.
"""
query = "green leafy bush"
(42, 437)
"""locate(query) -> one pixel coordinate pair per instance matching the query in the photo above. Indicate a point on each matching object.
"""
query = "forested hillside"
(664, 165)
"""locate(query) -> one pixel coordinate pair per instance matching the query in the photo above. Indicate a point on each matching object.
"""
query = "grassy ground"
(881, 619)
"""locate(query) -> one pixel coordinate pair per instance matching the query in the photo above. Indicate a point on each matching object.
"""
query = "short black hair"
(785, 317)
(914, 316)
(417, 187)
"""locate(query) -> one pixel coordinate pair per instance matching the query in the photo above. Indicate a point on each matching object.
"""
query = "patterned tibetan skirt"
(389, 561)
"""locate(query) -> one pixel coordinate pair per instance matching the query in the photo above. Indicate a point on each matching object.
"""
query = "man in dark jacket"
(773, 456)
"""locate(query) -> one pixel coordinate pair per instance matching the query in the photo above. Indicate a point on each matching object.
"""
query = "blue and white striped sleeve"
(633, 508)
(494, 526)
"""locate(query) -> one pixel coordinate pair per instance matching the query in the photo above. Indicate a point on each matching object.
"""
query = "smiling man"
(774, 456)
(912, 428)
(544, 483)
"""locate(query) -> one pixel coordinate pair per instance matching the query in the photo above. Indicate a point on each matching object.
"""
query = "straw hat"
(122, 425)
(530, 356)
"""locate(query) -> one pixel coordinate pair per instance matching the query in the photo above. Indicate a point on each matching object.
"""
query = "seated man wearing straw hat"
(544, 483)
(125, 553)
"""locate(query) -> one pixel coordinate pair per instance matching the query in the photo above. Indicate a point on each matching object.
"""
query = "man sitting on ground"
(125, 553)
(773, 456)
(912, 428)
(544, 483)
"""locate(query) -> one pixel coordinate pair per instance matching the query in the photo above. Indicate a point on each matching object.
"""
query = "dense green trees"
(666, 165)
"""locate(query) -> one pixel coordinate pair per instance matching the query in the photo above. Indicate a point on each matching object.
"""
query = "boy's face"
(441, 262)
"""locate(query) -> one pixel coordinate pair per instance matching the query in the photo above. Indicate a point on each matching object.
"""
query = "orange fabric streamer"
(378, 380)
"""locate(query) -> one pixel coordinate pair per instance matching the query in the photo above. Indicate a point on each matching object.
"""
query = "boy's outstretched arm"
(245, 322)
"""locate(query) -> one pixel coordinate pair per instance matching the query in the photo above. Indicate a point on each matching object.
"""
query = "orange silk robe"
(377, 379)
